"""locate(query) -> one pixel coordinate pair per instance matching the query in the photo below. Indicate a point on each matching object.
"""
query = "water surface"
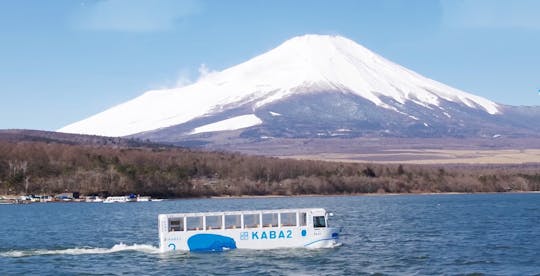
(492, 234)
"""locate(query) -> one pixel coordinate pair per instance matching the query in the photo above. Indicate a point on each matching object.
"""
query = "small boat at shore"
(260, 229)
(116, 199)
(129, 198)
(93, 199)
(7, 200)
(143, 198)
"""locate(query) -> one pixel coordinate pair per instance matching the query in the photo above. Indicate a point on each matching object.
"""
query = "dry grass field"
(403, 151)
(426, 156)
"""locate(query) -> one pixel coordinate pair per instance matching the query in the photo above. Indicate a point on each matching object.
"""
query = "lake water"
(492, 234)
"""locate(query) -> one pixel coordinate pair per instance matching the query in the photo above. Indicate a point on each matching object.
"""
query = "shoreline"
(361, 194)
(15, 199)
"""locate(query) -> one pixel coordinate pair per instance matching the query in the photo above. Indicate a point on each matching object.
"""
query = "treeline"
(48, 168)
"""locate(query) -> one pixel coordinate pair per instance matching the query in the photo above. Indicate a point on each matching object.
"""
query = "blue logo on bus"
(266, 235)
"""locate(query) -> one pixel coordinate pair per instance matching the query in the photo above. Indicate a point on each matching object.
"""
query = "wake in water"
(339, 244)
(145, 248)
(149, 249)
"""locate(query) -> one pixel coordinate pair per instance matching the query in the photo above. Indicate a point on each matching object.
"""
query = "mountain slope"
(321, 83)
(28, 135)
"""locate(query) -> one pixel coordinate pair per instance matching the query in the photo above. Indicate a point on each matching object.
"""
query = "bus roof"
(216, 213)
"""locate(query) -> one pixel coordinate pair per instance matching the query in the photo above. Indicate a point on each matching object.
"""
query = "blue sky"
(65, 60)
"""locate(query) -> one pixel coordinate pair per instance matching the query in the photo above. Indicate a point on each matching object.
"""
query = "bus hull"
(268, 238)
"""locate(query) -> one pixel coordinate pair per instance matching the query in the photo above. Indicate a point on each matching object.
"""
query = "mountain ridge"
(301, 66)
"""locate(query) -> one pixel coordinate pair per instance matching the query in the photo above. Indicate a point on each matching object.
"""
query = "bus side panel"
(162, 230)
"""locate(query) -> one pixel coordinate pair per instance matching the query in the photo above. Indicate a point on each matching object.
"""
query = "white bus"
(261, 229)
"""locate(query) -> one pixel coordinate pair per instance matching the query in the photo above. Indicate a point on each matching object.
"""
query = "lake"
(492, 234)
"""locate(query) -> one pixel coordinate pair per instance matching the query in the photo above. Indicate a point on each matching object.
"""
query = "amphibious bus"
(258, 229)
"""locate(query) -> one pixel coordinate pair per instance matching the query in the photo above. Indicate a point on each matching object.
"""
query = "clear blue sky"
(64, 60)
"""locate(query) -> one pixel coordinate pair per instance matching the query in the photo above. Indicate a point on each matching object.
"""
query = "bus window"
(176, 224)
(318, 222)
(194, 223)
(251, 220)
(270, 220)
(303, 219)
(213, 222)
(288, 219)
(232, 221)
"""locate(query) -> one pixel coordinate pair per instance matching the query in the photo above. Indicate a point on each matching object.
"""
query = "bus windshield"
(319, 222)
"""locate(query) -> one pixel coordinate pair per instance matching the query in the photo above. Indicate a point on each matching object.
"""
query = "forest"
(43, 167)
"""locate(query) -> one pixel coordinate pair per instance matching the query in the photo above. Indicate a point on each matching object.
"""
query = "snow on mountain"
(301, 65)
(234, 123)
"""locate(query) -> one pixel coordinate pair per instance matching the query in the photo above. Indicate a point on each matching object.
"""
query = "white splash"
(149, 249)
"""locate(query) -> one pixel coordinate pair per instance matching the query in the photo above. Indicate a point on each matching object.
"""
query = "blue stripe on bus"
(319, 241)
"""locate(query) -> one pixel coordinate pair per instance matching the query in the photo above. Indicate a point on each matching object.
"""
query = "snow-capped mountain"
(309, 86)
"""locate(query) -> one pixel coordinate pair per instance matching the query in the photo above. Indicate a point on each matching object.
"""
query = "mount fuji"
(311, 86)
